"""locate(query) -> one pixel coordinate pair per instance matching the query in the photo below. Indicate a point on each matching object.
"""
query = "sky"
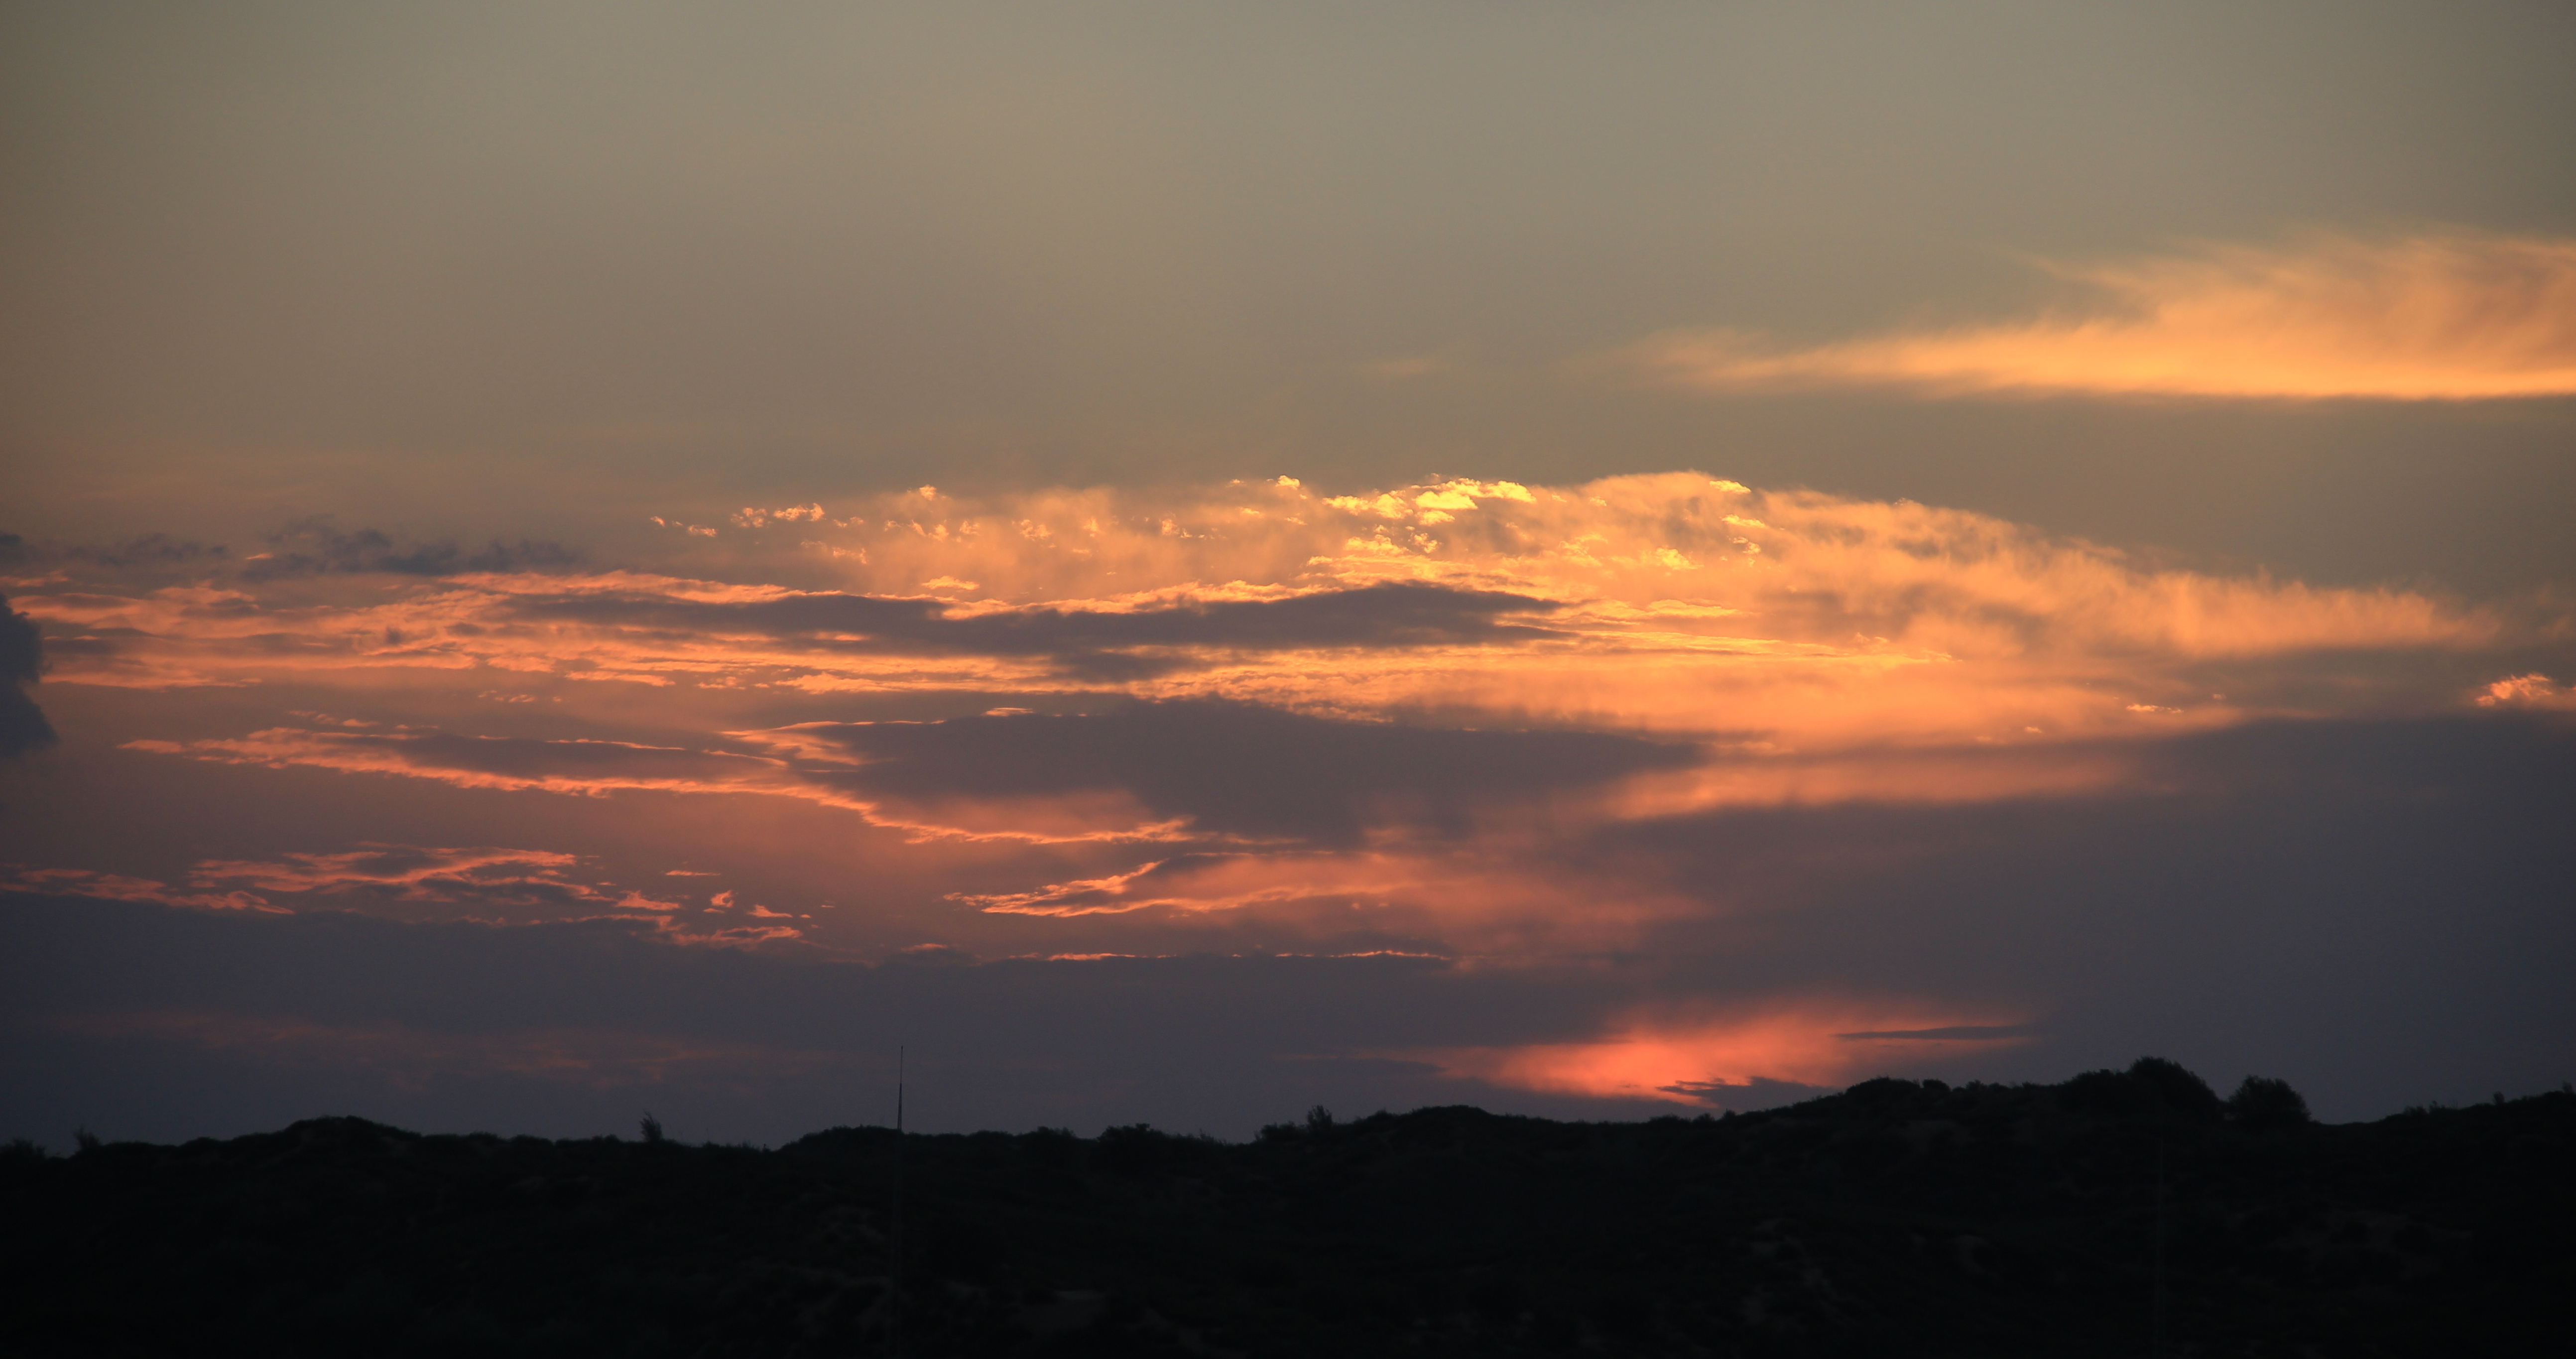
(1181, 562)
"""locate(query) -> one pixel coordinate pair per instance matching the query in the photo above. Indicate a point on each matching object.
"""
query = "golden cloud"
(2450, 316)
(1675, 603)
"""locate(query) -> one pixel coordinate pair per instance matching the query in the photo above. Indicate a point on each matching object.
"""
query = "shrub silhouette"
(2267, 1102)
(2152, 1088)
(2176, 1087)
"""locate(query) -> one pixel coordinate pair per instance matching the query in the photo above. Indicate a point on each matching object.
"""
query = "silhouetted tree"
(2267, 1102)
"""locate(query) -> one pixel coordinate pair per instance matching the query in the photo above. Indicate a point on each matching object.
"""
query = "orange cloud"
(556, 766)
(1698, 1060)
(595, 768)
(383, 874)
(1487, 898)
(2527, 691)
(2437, 316)
(1801, 642)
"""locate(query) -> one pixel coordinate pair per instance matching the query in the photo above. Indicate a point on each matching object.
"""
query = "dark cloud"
(407, 877)
(1953, 1032)
(150, 556)
(1094, 644)
(1757, 1093)
(150, 550)
(22, 659)
(574, 763)
(1236, 768)
(313, 547)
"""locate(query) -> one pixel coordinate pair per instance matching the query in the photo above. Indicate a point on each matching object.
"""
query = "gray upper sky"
(479, 267)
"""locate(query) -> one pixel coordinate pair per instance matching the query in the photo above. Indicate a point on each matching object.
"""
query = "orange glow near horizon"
(1694, 1061)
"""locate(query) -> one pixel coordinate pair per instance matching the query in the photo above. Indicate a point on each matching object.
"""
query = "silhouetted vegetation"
(1897, 1218)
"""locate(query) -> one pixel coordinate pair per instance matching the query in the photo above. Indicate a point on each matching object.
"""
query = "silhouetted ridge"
(1895, 1218)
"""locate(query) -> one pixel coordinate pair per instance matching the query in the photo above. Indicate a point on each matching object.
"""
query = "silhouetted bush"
(2267, 1102)
(2176, 1087)
(2152, 1088)
(1883, 1092)
(1142, 1149)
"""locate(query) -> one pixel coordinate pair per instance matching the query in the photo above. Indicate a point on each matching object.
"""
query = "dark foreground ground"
(1893, 1219)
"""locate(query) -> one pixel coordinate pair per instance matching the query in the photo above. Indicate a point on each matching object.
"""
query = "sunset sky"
(1184, 561)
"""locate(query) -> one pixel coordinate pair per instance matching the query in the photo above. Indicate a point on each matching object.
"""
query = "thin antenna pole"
(894, 1245)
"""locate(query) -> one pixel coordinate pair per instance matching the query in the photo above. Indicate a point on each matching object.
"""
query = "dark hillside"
(1893, 1219)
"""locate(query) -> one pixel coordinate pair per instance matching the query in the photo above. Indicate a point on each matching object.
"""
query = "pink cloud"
(1693, 1059)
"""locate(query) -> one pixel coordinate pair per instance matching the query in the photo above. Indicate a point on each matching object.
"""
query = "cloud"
(23, 726)
(84, 882)
(1104, 642)
(401, 880)
(2374, 909)
(1256, 718)
(144, 555)
(1172, 770)
(599, 768)
(313, 547)
(1675, 603)
(498, 762)
(406, 877)
(1225, 768)
(2435, 316)
(2534, 690)
(1192, 883)
(1954, 1033)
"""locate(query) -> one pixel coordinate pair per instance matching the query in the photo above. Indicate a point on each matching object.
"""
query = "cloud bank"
(1751, 792)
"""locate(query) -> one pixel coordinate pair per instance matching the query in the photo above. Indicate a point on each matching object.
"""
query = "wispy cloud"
(2434, 316)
